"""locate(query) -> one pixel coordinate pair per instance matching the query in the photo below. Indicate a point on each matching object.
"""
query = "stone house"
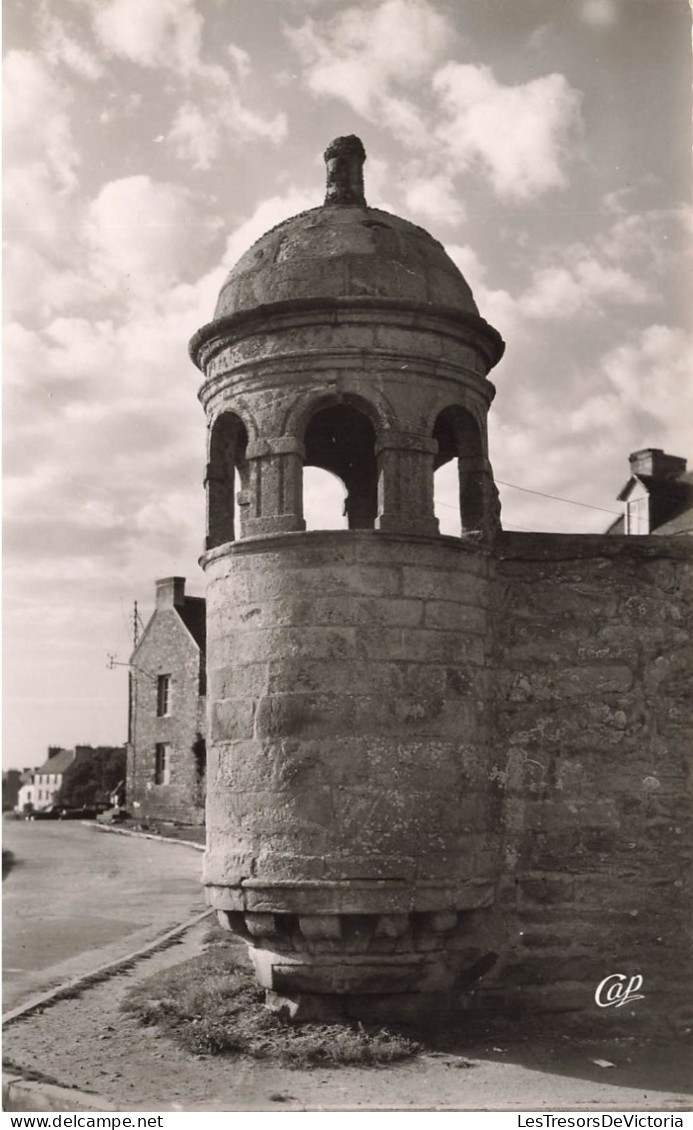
(166, 744)
(44, 784)
(658, 497)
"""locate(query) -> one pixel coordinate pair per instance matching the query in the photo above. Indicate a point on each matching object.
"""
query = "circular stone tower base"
(394, 967)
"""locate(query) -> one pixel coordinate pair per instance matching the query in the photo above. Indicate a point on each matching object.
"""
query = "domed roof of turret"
(345, 249)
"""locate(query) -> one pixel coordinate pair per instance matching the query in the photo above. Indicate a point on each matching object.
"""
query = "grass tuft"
(211, 1005)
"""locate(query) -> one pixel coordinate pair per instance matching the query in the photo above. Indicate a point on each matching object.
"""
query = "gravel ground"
(87, 1043)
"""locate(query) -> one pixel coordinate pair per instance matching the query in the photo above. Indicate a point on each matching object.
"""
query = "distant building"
(658, 497)
(166, 748)
(84, 771)
(25, 796)
(44, 783)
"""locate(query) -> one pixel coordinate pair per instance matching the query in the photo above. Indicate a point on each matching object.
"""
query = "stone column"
(405, 483)
(220, 505)
(479, 504)
(273, 502)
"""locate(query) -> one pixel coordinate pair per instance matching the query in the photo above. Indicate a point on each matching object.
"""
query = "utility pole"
(132, 697)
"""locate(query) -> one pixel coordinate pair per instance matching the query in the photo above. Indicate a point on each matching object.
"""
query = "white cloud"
(40, 188)
(436, 199)
(651, 241)
(365, 55)
(466, 258)
(59, 46)
(585, 285)
(38, 134)
(599, 13)
(641, 392)
(652, 373)
(166, 33)
(520, 136)
(198, 132)
(196, 136)
(240, 59)
(147, 235)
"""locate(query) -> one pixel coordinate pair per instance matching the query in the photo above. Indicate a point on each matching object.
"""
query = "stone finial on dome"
(344, 158)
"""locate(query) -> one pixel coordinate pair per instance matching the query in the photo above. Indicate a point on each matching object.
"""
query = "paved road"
(76, 898)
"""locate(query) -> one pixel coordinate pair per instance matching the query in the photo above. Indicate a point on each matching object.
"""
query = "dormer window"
(163, 696)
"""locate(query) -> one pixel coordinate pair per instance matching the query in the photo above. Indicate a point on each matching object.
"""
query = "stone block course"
(463, 588)
(467, 619)
(232, 719)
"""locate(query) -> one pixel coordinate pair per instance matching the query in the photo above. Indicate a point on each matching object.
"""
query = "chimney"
(653, 461)
(170, 592)
(54, 750)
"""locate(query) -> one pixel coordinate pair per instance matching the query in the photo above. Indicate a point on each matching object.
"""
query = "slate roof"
(57, 764)
(193, 614)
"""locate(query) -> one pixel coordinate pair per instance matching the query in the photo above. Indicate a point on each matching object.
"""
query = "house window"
(162, 764)
(163, 695)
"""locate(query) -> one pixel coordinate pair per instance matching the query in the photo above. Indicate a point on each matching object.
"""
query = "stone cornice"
(474, 544)
(468, 329)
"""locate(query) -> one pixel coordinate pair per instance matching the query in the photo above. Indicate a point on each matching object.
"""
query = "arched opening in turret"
(227, 476)
(341, 439)
(458, 437)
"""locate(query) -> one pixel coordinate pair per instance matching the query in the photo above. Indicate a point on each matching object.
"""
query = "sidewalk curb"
(19, 1094)
(100, 974)
(141, 835)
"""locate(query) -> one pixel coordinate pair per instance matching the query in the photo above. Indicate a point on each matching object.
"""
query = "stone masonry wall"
(593, 706)
(167, 648)
(347, 725)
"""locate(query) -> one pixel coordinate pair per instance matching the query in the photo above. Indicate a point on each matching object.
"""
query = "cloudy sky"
(149, 142)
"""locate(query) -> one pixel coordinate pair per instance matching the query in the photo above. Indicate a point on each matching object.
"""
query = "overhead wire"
(558, 498)
(542, 494)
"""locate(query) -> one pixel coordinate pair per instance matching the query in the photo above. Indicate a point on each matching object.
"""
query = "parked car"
(50, 812)
(63, 812)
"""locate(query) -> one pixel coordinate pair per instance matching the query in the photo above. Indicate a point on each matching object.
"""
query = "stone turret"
(352, 824)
